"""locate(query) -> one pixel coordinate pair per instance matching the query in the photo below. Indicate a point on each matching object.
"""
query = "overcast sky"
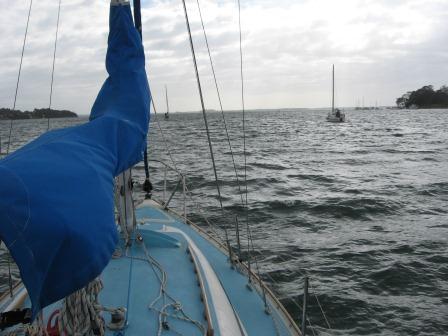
(380, 48)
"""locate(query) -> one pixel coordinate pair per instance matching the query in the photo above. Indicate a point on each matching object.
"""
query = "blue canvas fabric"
(56, 193)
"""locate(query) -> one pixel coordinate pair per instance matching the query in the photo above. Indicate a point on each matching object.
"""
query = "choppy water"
(361, 207)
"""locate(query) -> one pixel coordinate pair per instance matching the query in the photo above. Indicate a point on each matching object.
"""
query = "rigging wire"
(220, 103)
(293, 302)
(212, 225)
(10, 128)
(322, 310)
(242, 97)
(20, 70)
(225, 124)
(306, 274)
(165, 142)
(204, 114)
(248, 230)
(189, 192)
(244, 135)
(54, 60)
(228, 137)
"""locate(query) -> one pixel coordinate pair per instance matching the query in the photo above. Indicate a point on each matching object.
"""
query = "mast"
(332, 96)
(167, 105)
(138, 17)
(125, 202)
(147, 186)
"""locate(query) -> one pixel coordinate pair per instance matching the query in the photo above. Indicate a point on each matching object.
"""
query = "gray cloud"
(381, 49)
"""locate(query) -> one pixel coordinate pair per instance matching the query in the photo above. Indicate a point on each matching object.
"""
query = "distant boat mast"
(167, 105)
(332, 98)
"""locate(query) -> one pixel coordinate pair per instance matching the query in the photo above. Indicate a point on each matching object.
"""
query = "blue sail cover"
(56, 193)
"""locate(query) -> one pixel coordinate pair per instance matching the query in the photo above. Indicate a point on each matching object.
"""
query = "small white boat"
(336, 115)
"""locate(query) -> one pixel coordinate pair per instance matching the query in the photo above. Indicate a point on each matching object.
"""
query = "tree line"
(6, 113)
(425, 97)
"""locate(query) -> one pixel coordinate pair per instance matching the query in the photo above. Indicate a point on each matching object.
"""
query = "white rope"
(37, 328)
(178, 313)
(80, 312)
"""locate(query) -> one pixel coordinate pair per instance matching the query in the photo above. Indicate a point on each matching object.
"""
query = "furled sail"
(56, 193)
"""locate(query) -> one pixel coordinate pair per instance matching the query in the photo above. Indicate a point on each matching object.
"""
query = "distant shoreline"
(5, 114)
(424, 98)
(43, 113)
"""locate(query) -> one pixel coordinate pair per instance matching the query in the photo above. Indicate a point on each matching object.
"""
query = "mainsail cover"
(56, 193)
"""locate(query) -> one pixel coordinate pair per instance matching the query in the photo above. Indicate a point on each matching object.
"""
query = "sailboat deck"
(198, 279)
(168, 241)
(139, 284)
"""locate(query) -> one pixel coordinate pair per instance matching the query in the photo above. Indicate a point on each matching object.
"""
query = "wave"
(353, 191)
(434, 189)
(313, 177)
(198, 182)
(402, 151)
(401, 278)
(271, 166)
(430, 159)
(238, 152)
(359, 208)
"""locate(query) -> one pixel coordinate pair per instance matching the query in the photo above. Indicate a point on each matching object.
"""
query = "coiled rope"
(80, 312)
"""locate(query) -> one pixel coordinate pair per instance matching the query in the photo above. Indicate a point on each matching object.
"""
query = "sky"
(380, 49)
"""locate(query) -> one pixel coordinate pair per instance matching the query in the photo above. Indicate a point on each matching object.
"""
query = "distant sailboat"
(336, 115)
(167, 113)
